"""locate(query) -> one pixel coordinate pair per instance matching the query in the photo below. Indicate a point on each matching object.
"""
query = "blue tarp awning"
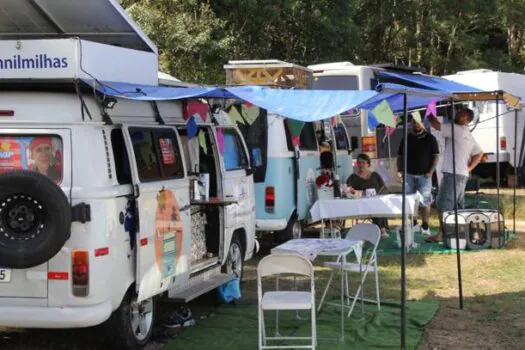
(303, 105)
(423, 82)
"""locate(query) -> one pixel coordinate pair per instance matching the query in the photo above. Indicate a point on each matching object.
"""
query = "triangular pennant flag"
(250, 113)
(295, 126)
(296, 140)
(220, 141)
(431, 109)
(235, 116)
(192, 127)
(384, 114)
(248, 104)
(389, 130)
(202, 142)
(416, 116)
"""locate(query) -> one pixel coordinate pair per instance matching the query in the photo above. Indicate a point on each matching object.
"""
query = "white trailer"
(484, 124)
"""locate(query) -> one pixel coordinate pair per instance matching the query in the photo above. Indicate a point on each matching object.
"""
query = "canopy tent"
(422, 81)
(302, 105)
(311, 105)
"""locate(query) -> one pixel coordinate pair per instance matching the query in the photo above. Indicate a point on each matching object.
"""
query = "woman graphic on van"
(43, 159)
(168, 233)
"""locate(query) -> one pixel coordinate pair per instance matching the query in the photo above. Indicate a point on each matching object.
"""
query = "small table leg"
(342, 301)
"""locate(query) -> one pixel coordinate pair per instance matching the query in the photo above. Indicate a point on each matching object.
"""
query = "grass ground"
(493, 316)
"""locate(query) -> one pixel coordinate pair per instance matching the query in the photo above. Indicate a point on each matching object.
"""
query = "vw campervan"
(97, 212)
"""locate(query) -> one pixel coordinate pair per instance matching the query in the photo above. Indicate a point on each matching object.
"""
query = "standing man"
(422, 158)
(468, 155)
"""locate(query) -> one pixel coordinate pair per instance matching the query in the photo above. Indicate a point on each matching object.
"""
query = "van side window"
(340, 138)
(234, 153)
(308, 139)
(157, 154)
(120, 153)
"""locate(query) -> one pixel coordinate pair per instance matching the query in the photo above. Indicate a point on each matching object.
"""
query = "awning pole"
(403, 225)
(498, 177)
(456, 228)
(515, 171)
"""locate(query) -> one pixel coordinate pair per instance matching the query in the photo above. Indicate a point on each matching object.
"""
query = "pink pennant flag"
(220, 141)
(431, 109)
(296, 140)
(248, 104)
(389, 130)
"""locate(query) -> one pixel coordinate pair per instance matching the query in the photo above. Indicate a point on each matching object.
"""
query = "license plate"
(5, 275)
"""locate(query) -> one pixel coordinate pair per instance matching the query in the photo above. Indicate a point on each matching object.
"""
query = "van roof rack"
(270, 72)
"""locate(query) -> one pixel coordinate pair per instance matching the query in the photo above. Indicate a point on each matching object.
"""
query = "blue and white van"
(285, 175)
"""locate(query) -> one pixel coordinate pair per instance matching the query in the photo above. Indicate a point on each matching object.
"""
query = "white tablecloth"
(386, 206)
(310, 248)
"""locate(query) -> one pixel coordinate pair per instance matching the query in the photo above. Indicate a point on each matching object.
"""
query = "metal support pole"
(498, 177)
(456, 228)
(403, 226)
(515, 171)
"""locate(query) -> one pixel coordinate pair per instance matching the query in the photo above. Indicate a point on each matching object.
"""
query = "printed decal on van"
(42, 154)
(168, 233)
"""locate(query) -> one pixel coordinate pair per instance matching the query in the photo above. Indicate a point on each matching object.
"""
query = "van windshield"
(42, 154)
(336, 82)
(256, 137)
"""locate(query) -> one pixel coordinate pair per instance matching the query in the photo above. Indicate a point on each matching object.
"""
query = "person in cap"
(422, 158)
(468, 155)
(43, 159)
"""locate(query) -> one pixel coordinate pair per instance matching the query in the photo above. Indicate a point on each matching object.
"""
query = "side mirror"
(249, 171)
(256, 158)
(354, 143)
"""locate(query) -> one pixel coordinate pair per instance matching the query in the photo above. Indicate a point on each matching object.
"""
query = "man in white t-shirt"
(468, 155)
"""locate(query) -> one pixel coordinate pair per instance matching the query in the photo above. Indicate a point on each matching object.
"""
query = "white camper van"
(483, 126)
(362, 131)
(98, 214)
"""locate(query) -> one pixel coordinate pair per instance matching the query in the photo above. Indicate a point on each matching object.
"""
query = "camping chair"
(277, 264)
(361, 232)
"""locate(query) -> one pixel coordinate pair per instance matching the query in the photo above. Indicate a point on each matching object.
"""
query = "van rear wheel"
(293, 230)
(131, 325)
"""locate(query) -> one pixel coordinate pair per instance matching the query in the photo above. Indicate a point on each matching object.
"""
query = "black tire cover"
(35, 219)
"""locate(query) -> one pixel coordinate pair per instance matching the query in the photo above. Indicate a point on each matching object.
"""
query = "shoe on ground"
(426, 232)
(384, 233)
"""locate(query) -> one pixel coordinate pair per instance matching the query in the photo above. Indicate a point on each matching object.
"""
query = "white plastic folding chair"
(363, 232)
(292, 264)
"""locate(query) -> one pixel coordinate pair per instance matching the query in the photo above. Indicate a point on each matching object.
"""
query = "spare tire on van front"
(35, 219)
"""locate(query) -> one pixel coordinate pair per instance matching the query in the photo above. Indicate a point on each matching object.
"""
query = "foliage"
(197, 37)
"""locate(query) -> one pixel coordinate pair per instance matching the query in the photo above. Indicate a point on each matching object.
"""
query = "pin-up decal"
(168, 233)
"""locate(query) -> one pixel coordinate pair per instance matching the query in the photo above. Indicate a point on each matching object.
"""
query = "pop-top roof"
(103, 21)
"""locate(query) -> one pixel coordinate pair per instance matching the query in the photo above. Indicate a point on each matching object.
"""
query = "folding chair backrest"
(285, 264)
(365, 232)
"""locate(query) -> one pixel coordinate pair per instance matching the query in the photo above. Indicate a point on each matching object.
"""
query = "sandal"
(433, 239)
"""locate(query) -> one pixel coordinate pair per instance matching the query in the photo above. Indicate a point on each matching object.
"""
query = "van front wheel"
(131, 325)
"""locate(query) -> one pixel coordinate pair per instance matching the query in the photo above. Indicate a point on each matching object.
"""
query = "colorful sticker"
(168, 233)
(166, 149)
(42, 154)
